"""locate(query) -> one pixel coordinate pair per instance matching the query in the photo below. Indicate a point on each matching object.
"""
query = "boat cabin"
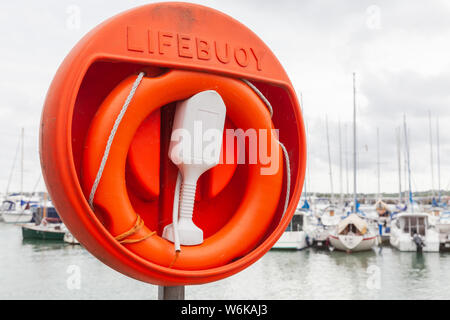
(50, 214)
(296, 223)
(352, 225)
(8, 205)
(412, 223)
(382, 209)
(436, 211)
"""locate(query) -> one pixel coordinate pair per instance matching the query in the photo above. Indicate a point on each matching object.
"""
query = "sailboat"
(353, 233)
(383, 210)
(443, 226)
(47, 226)
(69, 238)
(435, 209)
(384, 220)
(318, 226)
(14, 208)
(325, 215)
(411, 230)
(294, 238)
(439, 209)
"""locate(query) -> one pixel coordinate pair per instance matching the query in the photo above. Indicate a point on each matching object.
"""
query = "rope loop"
(285, 152)
(122, 238)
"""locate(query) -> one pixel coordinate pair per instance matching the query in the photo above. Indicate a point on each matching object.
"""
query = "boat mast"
(305, 184)
(329, 161)
(378, 163)
(44, 212)
(21, 165)
(308, 169)
(399, 155)
(438, 159)
(340, 166)
(12, 168)
(354, 143)
(405, 178)
(407, 161)
(346, 158)
(431, 154)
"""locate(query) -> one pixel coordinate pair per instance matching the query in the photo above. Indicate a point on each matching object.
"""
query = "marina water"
(54, 270)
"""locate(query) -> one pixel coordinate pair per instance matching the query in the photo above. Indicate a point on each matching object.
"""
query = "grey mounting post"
(171, 293)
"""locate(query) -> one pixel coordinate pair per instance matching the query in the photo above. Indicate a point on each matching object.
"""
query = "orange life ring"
(154, 38)
(258, 203)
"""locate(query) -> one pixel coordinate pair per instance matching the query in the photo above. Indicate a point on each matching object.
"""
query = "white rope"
(259, 93)
(288, 177)
(111, 138)
(285, 152)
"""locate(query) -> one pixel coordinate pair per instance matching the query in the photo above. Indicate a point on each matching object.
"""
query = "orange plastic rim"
(146, 38)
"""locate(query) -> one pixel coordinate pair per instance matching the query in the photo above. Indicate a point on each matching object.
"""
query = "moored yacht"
(15, 210)
(69, 238)
(48, 229)
(353, 234)
(47, 224)
(443, 227)
(318, 226)
(384, 220)
(293, 238)
(443, 224)
(412, 231)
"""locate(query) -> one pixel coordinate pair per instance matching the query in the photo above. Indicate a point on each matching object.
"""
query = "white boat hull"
(352, 243)
(69, 238)
(404, 242)
(317, 232)
(16, 217)
(291, 240)
(408, 224)
(443, 227)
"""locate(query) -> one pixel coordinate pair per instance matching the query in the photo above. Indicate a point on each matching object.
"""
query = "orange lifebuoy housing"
(257, 204)
(183, 49)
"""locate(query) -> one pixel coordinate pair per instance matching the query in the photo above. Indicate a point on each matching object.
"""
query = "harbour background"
(45, 270)
(399, 51)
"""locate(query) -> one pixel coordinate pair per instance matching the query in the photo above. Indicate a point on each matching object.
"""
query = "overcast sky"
(400, 51)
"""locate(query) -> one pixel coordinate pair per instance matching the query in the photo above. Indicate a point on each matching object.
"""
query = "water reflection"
(358, 260)
(418, 261)
(42, 245)
(38, 269)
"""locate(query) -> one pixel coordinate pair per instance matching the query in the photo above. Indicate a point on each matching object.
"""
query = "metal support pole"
(171, 293)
